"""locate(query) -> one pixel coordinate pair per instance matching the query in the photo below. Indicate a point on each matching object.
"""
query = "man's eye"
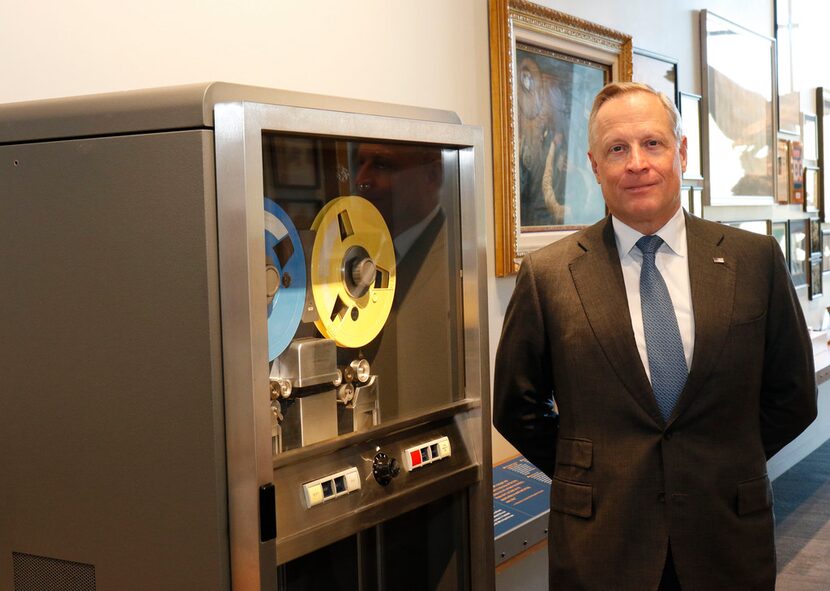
(653, 143)
(616, 149)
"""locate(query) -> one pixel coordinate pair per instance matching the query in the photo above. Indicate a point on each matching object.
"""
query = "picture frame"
(812, 189)
(543, 186)
(822, 122)
(816, 280)
(657, 70)
(796, 172)
(809, 126)
(737, 68)
(779, 230)
(815, 238)
(784, 183)
(690, 112)
(799, 233)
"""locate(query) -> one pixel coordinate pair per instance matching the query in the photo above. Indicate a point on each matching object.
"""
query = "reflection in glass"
(348, 198)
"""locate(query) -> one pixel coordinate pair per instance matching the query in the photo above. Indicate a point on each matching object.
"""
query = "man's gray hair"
(616, 89)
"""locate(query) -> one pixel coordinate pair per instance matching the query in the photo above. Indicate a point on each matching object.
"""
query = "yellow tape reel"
(352, 271)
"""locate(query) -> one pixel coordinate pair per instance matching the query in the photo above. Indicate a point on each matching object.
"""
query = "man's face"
(637, 160)
(401, 181)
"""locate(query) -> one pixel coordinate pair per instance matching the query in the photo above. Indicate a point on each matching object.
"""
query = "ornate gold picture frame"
(546, 67)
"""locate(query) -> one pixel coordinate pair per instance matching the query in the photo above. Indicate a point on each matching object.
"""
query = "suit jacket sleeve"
(788, 390)
(523, 382)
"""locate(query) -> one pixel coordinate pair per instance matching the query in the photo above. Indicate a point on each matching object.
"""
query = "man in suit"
(662, 423)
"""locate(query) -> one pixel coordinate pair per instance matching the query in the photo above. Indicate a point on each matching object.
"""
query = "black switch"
(267, 513)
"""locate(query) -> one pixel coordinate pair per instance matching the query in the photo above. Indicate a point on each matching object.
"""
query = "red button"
(415, 457)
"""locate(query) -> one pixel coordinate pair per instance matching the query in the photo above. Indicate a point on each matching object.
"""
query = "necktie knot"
(649, 244)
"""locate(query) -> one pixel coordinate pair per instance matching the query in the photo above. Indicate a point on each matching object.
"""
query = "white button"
(352, 480)
(313, 494)
(444, 447)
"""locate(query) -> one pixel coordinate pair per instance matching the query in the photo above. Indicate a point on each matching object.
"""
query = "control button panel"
(330, 487)
(426, 453)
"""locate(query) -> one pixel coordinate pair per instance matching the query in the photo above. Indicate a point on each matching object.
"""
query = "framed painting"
(796, 172)
(823, 133)
(782, 190)
(815, 238)
(799, 234)
(738, 65)
(778, 230)
(816, 280)
(658, 71)
(812, 190)
(546, 68)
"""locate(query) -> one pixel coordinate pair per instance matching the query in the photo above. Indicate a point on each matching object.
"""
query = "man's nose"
(363, 178)
(637, 159)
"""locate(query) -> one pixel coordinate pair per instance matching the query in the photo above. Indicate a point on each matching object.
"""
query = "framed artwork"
(810, 137)
(796, 172)
(690, 111)
(546, 68)
(755, 226)
(778, 230)
(815, 238)
(812, 190)
(782, 190)
(799, 232)
(738, 65)
(658, 71)
(816, 280)
(823, 133)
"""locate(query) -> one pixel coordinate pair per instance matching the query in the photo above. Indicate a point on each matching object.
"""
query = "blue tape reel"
(284, 251)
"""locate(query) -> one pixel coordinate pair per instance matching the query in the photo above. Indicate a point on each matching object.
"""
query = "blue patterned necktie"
(666, 360)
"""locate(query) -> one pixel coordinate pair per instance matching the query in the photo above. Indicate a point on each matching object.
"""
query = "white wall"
(430, 53)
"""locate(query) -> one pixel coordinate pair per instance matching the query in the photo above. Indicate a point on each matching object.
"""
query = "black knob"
(385, 468)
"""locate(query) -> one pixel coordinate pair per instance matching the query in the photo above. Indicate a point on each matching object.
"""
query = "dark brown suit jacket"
(625, 482)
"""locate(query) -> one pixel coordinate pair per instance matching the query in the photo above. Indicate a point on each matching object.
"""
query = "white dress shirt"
(672, 260)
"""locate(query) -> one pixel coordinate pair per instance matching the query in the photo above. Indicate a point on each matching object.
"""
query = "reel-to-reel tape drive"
(346, 286)
(362, 301)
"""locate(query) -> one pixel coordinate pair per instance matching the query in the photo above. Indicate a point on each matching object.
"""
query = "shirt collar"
(673, 234)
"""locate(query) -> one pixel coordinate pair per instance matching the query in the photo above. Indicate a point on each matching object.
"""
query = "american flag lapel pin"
(718, 260)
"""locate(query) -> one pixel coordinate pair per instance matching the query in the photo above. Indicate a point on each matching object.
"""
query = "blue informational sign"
(521, 492)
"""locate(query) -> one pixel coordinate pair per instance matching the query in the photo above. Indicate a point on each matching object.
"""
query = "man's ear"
(683, 153)
(593, 165)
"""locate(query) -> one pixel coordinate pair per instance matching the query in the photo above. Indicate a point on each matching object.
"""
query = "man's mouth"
(639, 187)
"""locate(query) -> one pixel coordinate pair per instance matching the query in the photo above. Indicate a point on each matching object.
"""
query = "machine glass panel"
(362, 241)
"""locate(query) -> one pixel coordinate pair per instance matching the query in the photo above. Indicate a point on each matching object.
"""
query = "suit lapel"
(599, 283)
(712, 278)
